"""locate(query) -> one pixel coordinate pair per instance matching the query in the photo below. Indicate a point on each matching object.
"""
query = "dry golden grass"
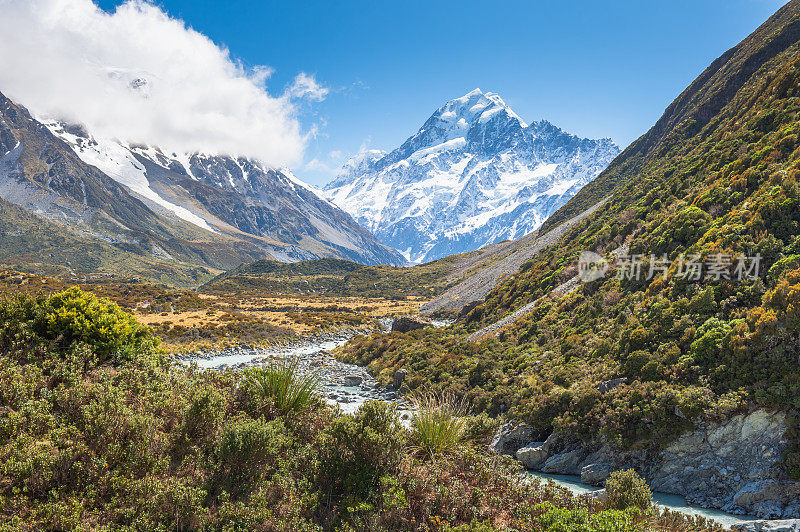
(188, 321)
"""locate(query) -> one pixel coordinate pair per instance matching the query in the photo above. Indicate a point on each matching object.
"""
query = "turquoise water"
(675, 503)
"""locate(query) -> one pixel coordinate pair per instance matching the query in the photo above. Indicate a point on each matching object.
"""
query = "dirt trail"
(514, 255)
(561, 290)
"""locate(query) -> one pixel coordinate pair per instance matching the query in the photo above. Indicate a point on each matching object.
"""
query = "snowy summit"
(475, 173)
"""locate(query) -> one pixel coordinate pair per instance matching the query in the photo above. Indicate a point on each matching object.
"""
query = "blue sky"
(597, 69)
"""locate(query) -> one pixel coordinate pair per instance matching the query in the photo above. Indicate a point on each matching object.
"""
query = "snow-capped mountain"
(474, 174)
(235, 196)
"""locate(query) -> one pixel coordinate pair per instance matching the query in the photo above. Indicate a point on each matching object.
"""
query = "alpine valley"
(474, 174)
(200, 342)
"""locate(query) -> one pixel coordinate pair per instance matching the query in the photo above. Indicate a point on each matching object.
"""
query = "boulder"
(398, 378)
(353, 380)
(596, 474)
(566, 463)
(533, 456)
(607, 386)
(409, 323)
(510, 437)
(784, 525)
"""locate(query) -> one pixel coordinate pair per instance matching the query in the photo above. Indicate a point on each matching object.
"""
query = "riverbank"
(673, 503)
(732, 465)
(346, 385)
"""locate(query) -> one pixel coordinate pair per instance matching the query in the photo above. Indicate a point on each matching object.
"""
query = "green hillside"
(716, 175)
(33, 244)
(335, 277)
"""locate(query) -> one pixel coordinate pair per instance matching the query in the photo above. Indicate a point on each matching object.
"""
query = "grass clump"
(282, 385)
(438, 424)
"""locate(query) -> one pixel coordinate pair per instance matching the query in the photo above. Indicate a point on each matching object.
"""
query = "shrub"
(438, 423)
(479, 430)
(555, 519)
(71, 317)
(248, 449)
(626, 488)
(282, 383)
(356, 450)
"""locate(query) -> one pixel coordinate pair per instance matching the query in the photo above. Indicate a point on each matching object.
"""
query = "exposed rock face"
(510, 437)
(409, 323)
(734, 466)
(783, 525)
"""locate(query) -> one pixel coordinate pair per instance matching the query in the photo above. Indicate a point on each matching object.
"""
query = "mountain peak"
(474, 92)
(477, 104)
(472, 175)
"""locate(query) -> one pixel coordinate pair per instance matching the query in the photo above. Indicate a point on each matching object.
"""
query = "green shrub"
(69, 318)
(438, 423)
(248, 449)
(282, 383)
(479, 430)
(203, 415)
(356, 450)
(626, 488)
(554, 519)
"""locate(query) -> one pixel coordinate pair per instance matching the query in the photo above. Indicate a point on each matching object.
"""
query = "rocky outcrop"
(734, 466)
(782, 525)
(510, 437)
(399, 378)
(607, 386)
(409, 323)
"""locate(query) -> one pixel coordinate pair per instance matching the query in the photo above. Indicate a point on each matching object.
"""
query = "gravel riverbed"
(346, 385)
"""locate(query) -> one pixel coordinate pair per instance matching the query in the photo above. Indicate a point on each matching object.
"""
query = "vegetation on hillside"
(334, 277)
(99, 431)
(185, 320)
(719, 176)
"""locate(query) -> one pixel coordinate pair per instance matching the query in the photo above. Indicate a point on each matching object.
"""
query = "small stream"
(675, 503)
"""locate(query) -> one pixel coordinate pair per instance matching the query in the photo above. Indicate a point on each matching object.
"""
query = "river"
(675, 503)
(346, 385)
(338, 387)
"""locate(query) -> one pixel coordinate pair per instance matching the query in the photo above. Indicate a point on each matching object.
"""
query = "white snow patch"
(450, 145)
(116, 160)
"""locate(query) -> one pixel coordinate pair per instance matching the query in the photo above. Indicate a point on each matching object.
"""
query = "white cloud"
(141, 76)
(319, 166)
(305, 86)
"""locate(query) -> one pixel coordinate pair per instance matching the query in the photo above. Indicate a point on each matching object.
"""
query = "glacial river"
(314, 356)
(675, 503)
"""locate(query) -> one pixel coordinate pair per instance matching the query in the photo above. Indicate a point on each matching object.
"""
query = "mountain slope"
(140, 202)
(694, 108)
(627, 363)
(474, 174)
(235, 196)
(42, 174)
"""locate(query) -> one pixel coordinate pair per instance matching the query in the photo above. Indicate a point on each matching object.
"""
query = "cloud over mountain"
(141, 76)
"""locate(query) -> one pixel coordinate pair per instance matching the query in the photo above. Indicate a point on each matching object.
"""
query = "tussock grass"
(283, 384)
(438, 424)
